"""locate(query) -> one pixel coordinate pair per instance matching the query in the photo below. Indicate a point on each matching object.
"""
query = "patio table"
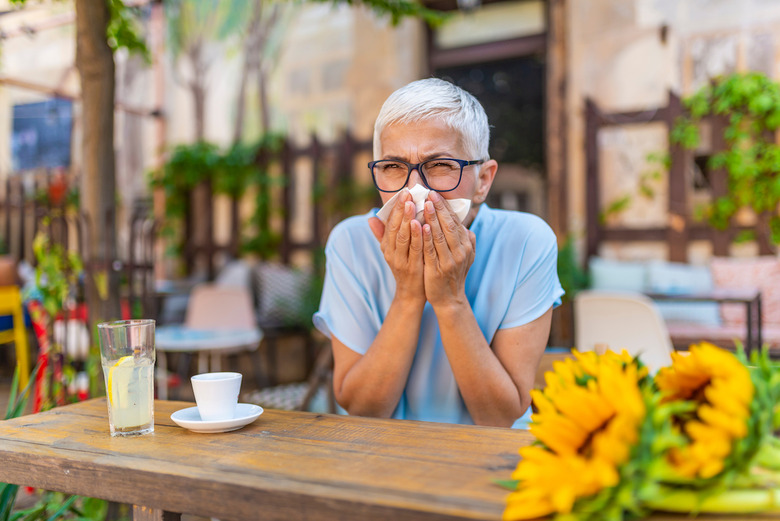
(284, 466)
(205, 342)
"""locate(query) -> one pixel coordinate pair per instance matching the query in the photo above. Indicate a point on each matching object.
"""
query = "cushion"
(613, 275)
(745, 273)
(235, 273)
(677, 278)
(283, 295)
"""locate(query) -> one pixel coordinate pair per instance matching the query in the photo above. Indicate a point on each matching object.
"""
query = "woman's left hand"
(448, 251)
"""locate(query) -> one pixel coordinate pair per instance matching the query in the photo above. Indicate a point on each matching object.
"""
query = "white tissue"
(419, 193)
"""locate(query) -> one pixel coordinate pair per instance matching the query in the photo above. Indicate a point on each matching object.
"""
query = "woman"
(444, 320)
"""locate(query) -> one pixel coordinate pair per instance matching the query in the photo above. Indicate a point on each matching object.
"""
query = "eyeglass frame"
(418, 166)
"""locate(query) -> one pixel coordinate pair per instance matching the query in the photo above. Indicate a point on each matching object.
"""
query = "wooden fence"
(333, 175)
(680, 229)
(42, 202)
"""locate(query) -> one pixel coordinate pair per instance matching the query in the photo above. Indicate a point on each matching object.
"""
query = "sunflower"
(720, 386)
(587, 425)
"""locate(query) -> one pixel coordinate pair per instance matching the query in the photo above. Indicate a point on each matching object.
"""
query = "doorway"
(512, 92)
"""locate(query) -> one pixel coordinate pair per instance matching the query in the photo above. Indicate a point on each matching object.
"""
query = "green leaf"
(509, 484)
(63, 509)
(123, 32)
(615, 207)
(7, 499)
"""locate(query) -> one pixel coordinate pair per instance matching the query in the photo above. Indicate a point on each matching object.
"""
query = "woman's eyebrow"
(426, 157)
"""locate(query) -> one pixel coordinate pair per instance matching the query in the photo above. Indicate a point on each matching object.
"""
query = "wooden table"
(284, 466)
(751, 298)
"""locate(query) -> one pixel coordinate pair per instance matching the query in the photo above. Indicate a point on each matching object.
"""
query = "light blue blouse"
(512, 281)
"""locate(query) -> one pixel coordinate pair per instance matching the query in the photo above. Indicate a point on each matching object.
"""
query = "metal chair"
(622, 320)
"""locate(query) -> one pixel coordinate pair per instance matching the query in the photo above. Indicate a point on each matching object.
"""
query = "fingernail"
(435, 197)
(429, 207)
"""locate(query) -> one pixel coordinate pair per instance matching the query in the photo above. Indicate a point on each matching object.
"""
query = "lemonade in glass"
(127, 355)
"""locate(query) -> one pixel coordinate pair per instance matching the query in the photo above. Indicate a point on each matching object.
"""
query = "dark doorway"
(512, 92)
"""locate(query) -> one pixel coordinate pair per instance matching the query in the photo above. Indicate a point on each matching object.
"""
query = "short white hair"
(433, 98)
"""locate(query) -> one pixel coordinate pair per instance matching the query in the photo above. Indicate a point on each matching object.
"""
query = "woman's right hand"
(401, 243)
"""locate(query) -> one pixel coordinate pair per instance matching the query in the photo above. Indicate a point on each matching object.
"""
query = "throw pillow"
(675, 278)
(613, 275)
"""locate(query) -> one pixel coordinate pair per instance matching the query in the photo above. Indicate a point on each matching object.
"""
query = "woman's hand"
(448, 251)
(401, 243)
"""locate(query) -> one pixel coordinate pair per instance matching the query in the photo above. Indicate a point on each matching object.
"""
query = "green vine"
(56, 274)
(751, 105)
(231, 172)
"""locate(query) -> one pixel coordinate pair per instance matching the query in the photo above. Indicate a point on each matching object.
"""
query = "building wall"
(626, 55)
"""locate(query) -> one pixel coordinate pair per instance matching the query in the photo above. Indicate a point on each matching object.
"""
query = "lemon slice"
(113, 387)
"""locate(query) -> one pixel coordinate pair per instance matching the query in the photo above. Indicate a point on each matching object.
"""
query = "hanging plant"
(750, 103)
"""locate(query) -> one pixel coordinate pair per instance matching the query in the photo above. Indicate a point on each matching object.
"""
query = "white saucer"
(189, 418)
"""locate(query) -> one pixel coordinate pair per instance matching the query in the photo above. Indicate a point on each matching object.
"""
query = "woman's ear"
(487, 173)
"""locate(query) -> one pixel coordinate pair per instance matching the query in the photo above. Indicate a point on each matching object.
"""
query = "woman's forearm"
(373, 385)
(489, 392)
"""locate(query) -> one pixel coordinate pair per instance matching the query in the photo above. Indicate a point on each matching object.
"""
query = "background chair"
(11, 304)
(618, 320)
(214, 306)
(219, 320)
(314, 395)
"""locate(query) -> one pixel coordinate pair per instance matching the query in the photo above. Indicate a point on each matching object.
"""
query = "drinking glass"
(127, 355)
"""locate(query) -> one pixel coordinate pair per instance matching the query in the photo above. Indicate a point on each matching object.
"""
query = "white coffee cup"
(216, 395)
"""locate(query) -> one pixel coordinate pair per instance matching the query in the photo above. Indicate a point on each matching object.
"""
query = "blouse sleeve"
(347, 311)
(537, 287)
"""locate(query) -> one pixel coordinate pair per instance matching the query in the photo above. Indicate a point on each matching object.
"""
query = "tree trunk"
(95, 62)
(265, 117)
(253, 44)
(200, 200)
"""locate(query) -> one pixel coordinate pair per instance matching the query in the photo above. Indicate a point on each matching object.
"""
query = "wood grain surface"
(284, 466)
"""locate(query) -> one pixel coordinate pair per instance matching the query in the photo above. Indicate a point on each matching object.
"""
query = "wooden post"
(210, 246)
(189, 245)
(677, 230)
(316, 153)
(592, 184)
(288, 166)
(763, 236)
(555, 115)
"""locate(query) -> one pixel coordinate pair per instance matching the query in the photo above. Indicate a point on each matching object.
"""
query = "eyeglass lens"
(440, 174)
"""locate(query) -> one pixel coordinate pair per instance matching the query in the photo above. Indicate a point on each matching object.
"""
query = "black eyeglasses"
(442, 174)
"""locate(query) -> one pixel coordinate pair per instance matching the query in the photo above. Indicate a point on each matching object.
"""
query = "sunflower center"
(586, 449)
(698, 394)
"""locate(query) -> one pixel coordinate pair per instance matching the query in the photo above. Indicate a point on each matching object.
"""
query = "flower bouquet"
(614, 442)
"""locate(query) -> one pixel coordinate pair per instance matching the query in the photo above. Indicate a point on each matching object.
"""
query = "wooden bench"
(729, 300)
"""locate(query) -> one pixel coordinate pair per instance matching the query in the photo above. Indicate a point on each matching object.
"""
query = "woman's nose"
(414, 179)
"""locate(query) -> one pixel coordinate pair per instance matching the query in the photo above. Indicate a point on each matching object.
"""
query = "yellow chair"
(11, 304)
